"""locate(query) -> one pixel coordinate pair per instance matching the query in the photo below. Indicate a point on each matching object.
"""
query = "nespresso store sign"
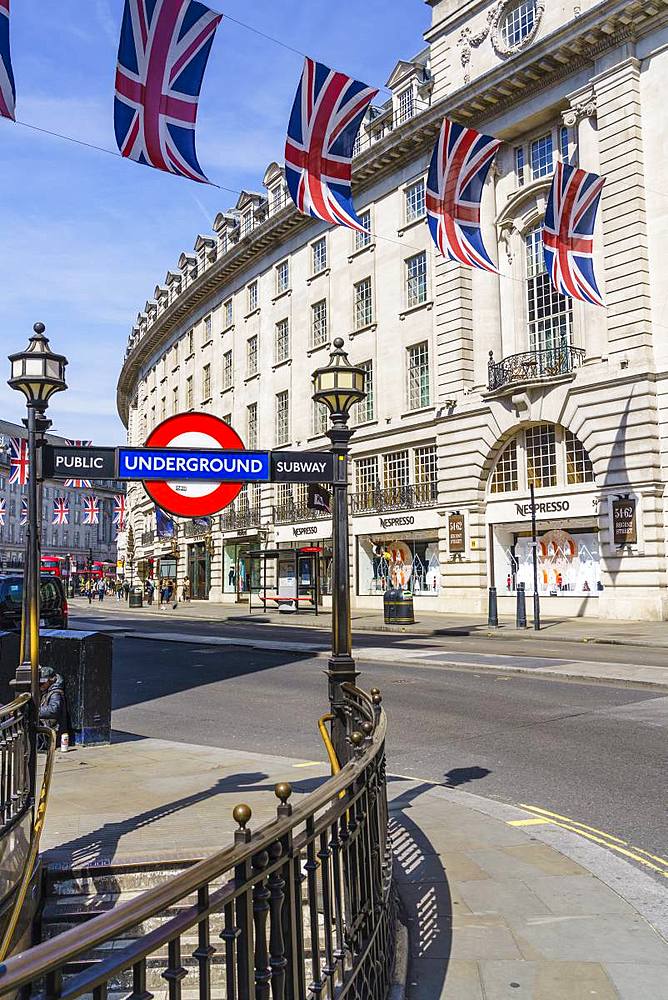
(547, 508)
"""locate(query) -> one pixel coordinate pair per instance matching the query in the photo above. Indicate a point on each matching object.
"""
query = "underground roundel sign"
(193, 430)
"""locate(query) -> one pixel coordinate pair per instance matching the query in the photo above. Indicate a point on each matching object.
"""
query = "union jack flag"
(326, 116)
(24, 511)
(91, 510)
(459, 165)
(568, 232)
(78, 484)
(3, 511)
(119, 511)
(162, 56)
(61, 511)
(18, 461)
(7, 88)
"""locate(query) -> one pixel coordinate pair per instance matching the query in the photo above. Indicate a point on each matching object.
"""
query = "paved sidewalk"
(494, 910)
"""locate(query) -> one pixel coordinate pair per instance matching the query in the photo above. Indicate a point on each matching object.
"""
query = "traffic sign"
(193, 432)
(193, 465)
(60, 462)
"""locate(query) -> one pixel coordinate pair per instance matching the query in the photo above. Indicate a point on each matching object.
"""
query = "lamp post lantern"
(38, 373)
(338, 386)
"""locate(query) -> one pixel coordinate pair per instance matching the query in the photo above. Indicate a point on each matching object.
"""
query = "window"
(578, 464)
(504, 479)
(518, 23)
(251, 356)
(189, 393)
(357, 145)
(228, 314)
(190, 338)
(276, 198)
(247, 222)
(282, 418)
(282, 341)
(363, 304)
(563, 143)
(284, 495)
(541, 157)
(366, 477)
(207, 328)
(426, 473)
(163, 407)
(396, 470)
(550, 315)
(319, 251)
(406, 106)
(363, 239)
(252, 296)
(519, 165)
(206, 382)
(364, 410)
(319, 418)
(414, 201)
(541, 452)
(228, 373)
(227, 419)
(251, 425)
(418, 390)
(175, 399)
(319, 323)
(416, 280)
(282, 277)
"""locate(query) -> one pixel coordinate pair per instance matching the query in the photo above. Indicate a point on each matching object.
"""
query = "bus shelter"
(295, 576)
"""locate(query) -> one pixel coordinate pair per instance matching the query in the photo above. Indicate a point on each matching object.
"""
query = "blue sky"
(85, 236)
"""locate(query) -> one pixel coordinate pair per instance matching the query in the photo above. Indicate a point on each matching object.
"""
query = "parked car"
(53, 602)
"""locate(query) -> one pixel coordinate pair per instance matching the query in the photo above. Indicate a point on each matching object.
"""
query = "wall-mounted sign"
(192, 465)
(552, 508)
(624, 522)
(302, 467)
(456, 533)
(303, 532)
(61, 462)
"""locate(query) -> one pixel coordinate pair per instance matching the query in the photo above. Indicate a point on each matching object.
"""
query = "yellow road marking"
(309, 763)
(528, 822)
(567, 819)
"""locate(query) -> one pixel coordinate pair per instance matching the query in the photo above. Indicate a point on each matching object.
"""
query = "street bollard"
(521, 616)
(493, 611)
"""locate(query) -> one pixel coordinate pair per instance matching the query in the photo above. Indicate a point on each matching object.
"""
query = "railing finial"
(241, 815)
(283, 791)
(376, 696)
(357, 739)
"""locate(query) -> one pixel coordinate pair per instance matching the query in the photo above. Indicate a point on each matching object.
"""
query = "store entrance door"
(199, 571)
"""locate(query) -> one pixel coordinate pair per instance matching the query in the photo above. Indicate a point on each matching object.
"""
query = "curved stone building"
(480, 386)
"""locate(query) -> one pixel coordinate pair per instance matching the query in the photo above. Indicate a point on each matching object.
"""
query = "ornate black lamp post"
(339, 385)
(38, 373)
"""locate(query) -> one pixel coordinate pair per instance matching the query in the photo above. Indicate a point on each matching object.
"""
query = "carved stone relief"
(469, 39)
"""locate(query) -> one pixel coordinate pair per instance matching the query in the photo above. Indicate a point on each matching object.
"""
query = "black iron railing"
(395, 498)
(248, 517)
(148, 537)
(533, 365)
(303, 907)
(14, 762)
(289, 512)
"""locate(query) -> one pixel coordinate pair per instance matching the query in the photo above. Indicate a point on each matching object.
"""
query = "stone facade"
(481, 384)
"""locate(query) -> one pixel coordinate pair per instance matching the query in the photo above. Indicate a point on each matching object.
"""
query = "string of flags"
(163, 53)
(3, 511)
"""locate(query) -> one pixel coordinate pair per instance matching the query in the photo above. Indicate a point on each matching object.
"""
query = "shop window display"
(568, 564)
(410, 564)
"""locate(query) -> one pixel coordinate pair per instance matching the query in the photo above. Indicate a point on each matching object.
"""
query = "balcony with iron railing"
(147, 537)
(379, 501)
(242, 517)
(288, 513)
(533, 366)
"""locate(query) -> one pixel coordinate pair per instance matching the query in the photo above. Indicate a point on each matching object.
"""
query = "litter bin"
(390, 600)
(405, 613)
(136, 597)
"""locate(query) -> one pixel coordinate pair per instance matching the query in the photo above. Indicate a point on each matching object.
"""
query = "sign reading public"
(61, 462)
(302, 467)
(624, 524)
(193, 465)
(192, 435)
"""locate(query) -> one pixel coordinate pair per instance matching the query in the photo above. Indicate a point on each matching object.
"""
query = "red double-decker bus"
(53, 565)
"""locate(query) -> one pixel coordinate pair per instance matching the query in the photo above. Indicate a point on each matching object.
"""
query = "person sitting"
(52, 705)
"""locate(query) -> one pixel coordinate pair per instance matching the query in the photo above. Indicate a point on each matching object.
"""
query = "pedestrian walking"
(89, 591)
(126, 590)
(185, 589)
(101, 589)
(150, 589)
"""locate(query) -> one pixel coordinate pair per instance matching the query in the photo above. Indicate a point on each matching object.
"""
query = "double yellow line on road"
(542, 817)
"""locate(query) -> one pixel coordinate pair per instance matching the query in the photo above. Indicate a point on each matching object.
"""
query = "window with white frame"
(541, 156)
(284, 496)
(579, 468)
(206, 382)
(277, 198)
(546, 455)
(282, 417)
(366, 477)
(251, 356)
(363, 239)
(549, 314)
(252, 296)
(414, 201)
(227, 419)
(416, 279)
(189, 394)
(564, 139)
(163, 407)
(175, 402)
(357, 145)
(519, 165)
(425, 472)
(319, 323)
(396, 470)
(363, 411)
(418, 391)
(228, 314)
(190, 339)
(207, 328)
(319, 255)
(363, 304)
(541, 456)
(282, 341)
(518, 23)
(251, 425)
(247, 222)
(282, 277)
(406, 105)
(504, 478)
(319, 418)
(228, 371)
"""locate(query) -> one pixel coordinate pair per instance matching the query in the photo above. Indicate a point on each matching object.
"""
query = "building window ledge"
(364, 424)
(282, 364)
(251, 378)
(282, 295)
(207, 343)
(226, 389)
(175, 369)
(369, 248)
(419, 411)
(363, 329)
(325, 346)
(316, 437)
(190, 356)
(227, 329)
(253, 312)
(428, 304)
(318, 274)
(205, 402)
(411, 225)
